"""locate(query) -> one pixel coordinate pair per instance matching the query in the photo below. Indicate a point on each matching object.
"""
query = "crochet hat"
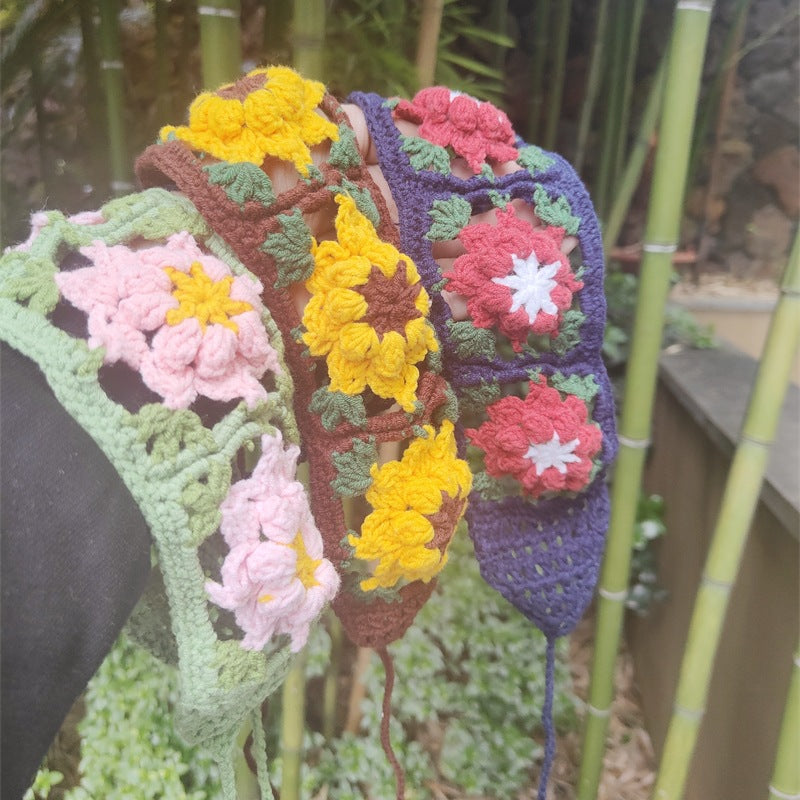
(379, 355)
(153, 336)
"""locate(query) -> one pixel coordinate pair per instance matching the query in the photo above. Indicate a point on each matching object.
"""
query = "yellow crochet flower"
(417, 503)
(368, 311)
(270, 112)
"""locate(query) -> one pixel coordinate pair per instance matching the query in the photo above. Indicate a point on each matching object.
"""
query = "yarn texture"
(154, 338)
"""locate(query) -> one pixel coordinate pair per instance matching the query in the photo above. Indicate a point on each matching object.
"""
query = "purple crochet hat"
(536, 405)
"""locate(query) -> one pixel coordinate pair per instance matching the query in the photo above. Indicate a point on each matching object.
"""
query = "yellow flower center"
(305, 567)
(206, 300)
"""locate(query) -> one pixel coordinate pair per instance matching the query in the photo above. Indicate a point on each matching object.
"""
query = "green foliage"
(44, 781)
(621, 292)
(129, 746)
(643, 590)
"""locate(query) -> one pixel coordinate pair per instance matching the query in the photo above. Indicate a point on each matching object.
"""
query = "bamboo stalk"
(430, 23)
(593, 80)
(728, 61)
(220, 41)
(277, 17)
(111, 68)
(541, 21)
(786, 776)
(246, 782)
(331, 687)
(623, 192)
(663, 223)
(308, 38)
(631, 55)
(723, 89)
(37, 93)
(614, 80)
(293, 728)
(499, 24)
(560, 39)
(163, 100)
(739, 500)
(91, 69)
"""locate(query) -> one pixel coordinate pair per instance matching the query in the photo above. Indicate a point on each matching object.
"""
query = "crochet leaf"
(166, 433)
(202, 498)
(569, 332)
(354, 466)
(29, 280)
(470, 341)
(291, 249)
(426, 155)
(534, 159)
(362, 198)
(499, 199)
(242, 181)
(583, 386)
(449, 217)
(476, 398)
(491, 488)
(344, 152)
(337, 407)
(555, 212)
(488, 173)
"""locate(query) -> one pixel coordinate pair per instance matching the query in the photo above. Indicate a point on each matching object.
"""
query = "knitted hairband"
(383, 374)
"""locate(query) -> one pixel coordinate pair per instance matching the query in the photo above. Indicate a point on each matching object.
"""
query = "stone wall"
(746, 227)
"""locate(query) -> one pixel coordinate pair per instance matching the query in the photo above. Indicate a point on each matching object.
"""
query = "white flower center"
(531, 284)
(553, 454)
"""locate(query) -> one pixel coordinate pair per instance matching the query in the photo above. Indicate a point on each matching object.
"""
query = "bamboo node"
(715, 584)
(636, 444)
(660, 247)
(695, 5)
(598, 712)
(747, 437)
(783, 795)
(213, 11)
(688, 713)
(111, 63)
(121, 186)
(616, 597)
(797, 661)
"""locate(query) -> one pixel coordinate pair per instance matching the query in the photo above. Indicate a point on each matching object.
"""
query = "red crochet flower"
(544, 442)
(514, 277)
(475, 130)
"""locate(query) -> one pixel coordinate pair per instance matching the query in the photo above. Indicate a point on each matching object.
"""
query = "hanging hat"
(153, 336)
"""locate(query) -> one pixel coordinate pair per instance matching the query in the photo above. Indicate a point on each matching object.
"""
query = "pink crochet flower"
(274, 578)
(475, 130)
(514, 277)
(177, 315)
(545, 442)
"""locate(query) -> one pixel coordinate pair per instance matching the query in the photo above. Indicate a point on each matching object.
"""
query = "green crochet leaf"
(470, 341)
(291, 249)
(488, 173)
(314, 174)
(491, 488)
(363, 199)
(476, 398)
(239, 667)
(449, 217)
(242, 181)
(354, 468)
(570, 332)
(29, 280)
(424, 155)
(344, 152)
(337, 407)
(202, 498)
(534, 159)
(583, 386)
(167, 433)
(555, 212)
(499, 199)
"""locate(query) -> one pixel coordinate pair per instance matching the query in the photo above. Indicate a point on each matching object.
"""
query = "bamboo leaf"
(472, 65)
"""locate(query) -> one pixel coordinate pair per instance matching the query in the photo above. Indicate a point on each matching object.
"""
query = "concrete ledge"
(714, 387)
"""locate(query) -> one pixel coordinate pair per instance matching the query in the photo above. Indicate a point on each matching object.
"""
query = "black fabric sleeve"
(74, 559)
